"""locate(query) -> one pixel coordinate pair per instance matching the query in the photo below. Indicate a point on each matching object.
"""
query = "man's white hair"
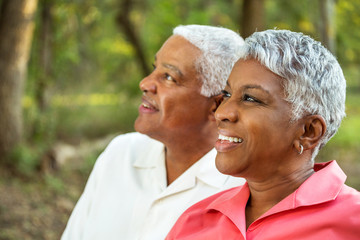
(312, 78)
(220, 48)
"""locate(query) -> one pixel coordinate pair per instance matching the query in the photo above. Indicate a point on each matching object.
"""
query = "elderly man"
(143, 181)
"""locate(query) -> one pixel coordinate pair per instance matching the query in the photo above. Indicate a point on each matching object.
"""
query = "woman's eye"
(154, 66)
(225, 94)
(250, 98)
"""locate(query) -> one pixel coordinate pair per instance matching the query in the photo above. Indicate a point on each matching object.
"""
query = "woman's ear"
(216, 101)
(314, 128)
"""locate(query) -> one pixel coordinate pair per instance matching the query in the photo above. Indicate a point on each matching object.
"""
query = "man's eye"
(169, 78)
(225, 94)
(154, 67)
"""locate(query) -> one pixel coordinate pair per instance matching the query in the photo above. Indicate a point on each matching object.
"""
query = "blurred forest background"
(69, 75)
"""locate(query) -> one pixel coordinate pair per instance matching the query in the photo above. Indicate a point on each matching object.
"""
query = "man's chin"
(143, 126)
(137, 125)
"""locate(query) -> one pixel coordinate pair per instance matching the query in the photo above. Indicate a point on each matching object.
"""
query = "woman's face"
(255, 133)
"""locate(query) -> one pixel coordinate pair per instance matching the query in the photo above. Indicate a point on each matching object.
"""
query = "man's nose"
(148, 84)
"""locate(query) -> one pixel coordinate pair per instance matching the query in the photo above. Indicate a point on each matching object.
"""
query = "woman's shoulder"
(349, 196)
(216, 199)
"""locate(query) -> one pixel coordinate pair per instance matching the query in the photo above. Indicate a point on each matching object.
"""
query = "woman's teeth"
(230, 139)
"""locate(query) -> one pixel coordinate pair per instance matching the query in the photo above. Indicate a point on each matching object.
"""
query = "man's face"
(172, 106)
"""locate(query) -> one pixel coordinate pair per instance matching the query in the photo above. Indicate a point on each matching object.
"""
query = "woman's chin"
(222, 164)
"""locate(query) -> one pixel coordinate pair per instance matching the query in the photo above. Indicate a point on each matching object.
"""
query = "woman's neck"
(266, 194)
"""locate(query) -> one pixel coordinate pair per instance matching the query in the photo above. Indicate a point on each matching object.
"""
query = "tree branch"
(126, 26)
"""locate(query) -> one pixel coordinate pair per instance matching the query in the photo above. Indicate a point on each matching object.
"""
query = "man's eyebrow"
(173, 68)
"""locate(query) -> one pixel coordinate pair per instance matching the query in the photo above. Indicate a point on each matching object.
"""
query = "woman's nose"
(226, 112)
(148, 84)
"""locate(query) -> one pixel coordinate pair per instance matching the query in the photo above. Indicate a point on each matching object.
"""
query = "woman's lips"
(227, 143)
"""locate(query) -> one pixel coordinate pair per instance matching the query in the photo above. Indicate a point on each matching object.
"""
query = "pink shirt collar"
(329, 174)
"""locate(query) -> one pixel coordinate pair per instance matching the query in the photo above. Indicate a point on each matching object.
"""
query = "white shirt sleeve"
(127, 197)
(77, 221)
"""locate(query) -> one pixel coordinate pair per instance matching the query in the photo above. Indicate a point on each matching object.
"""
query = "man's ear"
(314, 128)
(215, 103)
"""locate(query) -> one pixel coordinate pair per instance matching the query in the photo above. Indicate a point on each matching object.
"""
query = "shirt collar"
(232, 204)
(328, 177)
(204, 169)
(331, 178)
(328, 180)
(207, 171)
(154, 157)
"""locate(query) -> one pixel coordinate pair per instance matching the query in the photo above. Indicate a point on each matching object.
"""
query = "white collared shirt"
(127, 197)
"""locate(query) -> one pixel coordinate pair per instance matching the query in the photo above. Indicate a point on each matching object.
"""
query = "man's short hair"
(220, 48)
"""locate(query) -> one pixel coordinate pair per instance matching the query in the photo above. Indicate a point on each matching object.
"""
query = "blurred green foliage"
(25, 159)
(92, 89)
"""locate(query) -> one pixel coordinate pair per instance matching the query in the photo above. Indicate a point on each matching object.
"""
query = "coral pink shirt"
(323, 207)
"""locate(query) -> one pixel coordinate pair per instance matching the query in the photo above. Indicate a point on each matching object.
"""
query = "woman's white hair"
(312, 78)
(220, 48)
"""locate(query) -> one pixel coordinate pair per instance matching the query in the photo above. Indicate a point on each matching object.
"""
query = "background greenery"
(92, 93)
(95, 74)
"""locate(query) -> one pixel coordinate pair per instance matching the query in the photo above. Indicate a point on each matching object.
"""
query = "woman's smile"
(227, 143)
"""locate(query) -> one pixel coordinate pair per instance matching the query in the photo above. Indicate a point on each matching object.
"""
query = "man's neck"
(179, 156)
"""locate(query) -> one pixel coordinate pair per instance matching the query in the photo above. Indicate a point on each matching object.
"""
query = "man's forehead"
(178, 41)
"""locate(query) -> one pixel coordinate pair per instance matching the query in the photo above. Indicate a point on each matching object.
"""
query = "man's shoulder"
(132, 136)
(130, 146)
(132, 140)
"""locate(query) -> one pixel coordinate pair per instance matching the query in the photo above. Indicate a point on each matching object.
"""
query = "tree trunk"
(16, 30)
(124, 23)
(45, 51)
(253, 17)
(327, 24)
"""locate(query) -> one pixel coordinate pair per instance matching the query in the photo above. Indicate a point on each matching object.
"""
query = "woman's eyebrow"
(255, 86)
(252, 86)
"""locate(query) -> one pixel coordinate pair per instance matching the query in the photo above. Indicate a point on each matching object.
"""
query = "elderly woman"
(284, 99)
